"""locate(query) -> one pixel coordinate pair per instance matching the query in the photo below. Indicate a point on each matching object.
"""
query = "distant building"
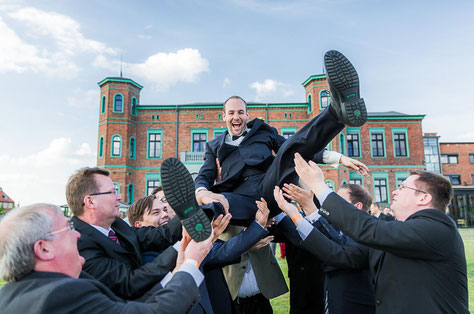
(134, 139)
(5, 201)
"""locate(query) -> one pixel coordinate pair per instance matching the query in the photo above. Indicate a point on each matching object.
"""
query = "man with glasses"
(111, 248)
(40, 262)
(417, 262)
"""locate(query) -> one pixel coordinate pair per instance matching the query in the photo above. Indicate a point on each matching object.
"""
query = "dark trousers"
(256, 304)
(309, 140)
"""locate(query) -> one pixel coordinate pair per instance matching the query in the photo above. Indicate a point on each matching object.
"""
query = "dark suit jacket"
(417, 266)
(255, 150)
(49, 293)
(120, 267)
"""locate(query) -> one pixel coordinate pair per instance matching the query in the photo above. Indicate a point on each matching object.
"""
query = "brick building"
(6, 203)
(134, 139)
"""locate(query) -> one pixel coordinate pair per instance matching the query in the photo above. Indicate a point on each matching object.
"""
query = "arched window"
(134, 106)
(324, 99)
(116, 146)
(131, 148)
(130, 193)
(310, 103)
(104, 103)
(101, 147)
(118, 103)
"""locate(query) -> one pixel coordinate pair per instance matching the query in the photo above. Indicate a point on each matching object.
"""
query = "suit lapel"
(254, 125)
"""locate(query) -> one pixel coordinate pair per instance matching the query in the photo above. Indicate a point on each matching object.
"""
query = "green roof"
(119, 79)
(314, 77)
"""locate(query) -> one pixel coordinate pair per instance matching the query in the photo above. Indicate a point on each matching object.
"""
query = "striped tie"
(113, 237)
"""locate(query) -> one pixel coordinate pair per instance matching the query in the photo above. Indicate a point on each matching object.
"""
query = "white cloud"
(149, 26)
(226, 82)
(81, 98)
(270, 90)
(163, 69)
(48, 44)
(42, 176)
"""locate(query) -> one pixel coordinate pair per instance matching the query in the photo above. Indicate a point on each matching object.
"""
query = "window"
(400, 144)
(356, 181)
(116, 146)
(104, 103)
(202, 117)
(130, 193)
(199, 142)
(134, 106)
(355, 178)
(324, 99)
(455, 179)
(341, 143)
(432, 156)
(131, 148)
(218, 131)
(117, 187)
(154, 145)
(330, 184)
(380, 190)
(449, 158)
(471, 158)
(353, 145)
(310, 103)
(118, 103)
(101, 147)
(151, 185)
(400, 181)
(288, 132)
(376, 140)
(472, 179)
(219, 116)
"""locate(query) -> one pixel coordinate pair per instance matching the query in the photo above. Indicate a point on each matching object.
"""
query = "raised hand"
(220, 224)
(290, 209)
(355, 165)
(302, 197)
(262, 213)
(206, 197)
(262, 243)
(311, 175)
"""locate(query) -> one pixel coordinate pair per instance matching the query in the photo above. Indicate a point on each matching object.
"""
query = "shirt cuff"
(331, 158)
(166, 279)
(200, 189)
(190, 268)
(177, 246)
(263, 227)
(279, 217)
(304, 229)
(323, 195)
(313, 217)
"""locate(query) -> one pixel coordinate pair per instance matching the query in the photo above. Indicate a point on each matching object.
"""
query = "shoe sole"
(178, 187)
(344, 84)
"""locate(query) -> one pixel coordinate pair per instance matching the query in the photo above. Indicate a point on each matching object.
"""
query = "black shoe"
(344, 85)
(178, 187)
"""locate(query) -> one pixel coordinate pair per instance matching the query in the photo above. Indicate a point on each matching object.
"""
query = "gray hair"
(19, 231)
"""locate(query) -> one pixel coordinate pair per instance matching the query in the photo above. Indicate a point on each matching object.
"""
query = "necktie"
(236, 137)
(113, 237)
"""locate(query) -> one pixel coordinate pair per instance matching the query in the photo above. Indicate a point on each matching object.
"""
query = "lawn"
(281, 304)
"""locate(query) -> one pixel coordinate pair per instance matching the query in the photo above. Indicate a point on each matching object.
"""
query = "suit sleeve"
(159, 238)
(208, 172)
(124, 281)
(224, 253)
(421, 237)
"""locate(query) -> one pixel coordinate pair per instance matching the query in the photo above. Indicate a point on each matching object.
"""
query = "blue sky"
(415, 57)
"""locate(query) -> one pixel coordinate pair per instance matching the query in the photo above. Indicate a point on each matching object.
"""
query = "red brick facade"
(464, 165)
(177, 123)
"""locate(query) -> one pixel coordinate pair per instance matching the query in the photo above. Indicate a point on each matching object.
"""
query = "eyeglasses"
(70, 226)
(114, 192)
(402, 187)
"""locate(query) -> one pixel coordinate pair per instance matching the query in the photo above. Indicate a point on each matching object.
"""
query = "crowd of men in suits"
(254, 187)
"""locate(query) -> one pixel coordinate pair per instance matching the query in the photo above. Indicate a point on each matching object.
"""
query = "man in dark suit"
(111, 248)
(215, 297)
(245, 150)
(40, 261)
(417, 263)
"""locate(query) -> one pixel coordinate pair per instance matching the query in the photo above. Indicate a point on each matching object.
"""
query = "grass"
(281, 305)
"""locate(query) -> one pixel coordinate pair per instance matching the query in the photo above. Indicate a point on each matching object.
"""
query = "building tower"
(117, 139)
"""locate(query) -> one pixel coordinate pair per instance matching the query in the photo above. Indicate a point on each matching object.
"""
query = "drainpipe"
(177, 132)
(266, 114)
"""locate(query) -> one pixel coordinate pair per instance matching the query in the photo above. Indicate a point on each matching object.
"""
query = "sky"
(414, 57)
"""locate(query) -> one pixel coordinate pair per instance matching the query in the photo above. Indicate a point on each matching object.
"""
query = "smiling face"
(235, 116)
(158, 215)
(107, 205)
(66, 256)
